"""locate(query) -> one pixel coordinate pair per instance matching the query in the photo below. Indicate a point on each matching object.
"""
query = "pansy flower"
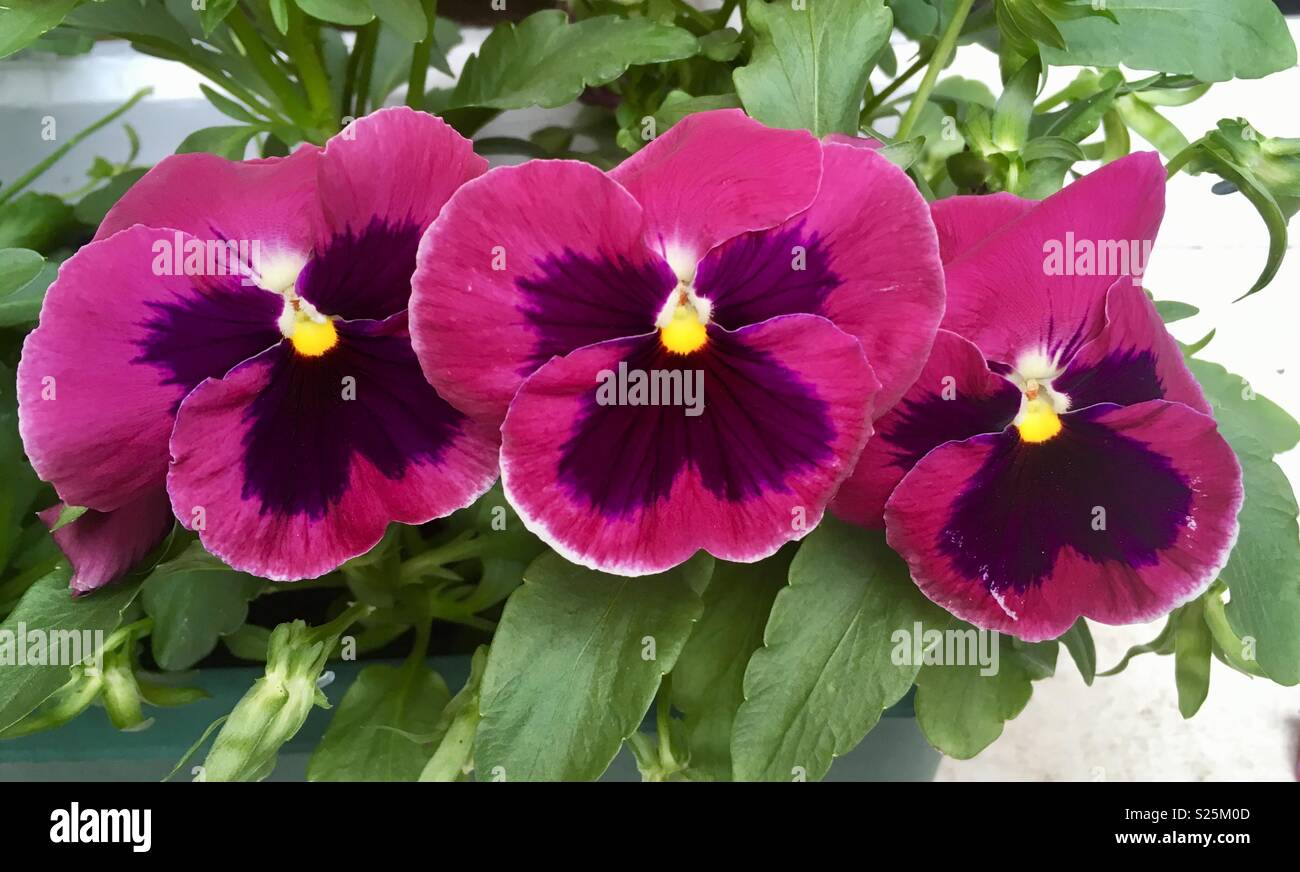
(1055, 458)
(796, 284)
(233, 348)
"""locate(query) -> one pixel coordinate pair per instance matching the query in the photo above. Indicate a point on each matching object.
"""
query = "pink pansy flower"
(1055, 459)
(795, 284)
(233, 348)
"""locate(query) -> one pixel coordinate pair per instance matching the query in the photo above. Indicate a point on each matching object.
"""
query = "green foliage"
(575, 662)
(810, 64)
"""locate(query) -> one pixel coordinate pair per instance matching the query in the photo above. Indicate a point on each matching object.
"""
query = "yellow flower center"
(685, 332)
(313, 338)
(1038, 421)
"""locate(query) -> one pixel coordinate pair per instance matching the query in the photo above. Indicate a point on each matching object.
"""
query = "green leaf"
(67, 515)
(228, 142)
(1162, 644)
(23, 21)
(1171, 311)
(227, 106)
(50, 607)
(280, 15)
(810, 65)
(353, 12)
(18, 267)
(574, 665)
(406, 17)
(213, 13)
(827, 669)
(546, 61)
(1078, 641)
(24, 278)
(1239, 409)
(1212, 40)
(1263, 572)
(1192, 653)
(456, 727)
(708, 681)
(678, 104)
(1015, 106)
(961, 711)
(92, 208)
(372, 736)
(41, 222)
(194, 601)
(1151, 126)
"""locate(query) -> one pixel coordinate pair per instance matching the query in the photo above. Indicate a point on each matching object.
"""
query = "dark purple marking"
(363, 273)
(1121, 377)
(918, 426)
(304, 434)
(1030, 500)
(574, 300)
(761, 425)
(207, 332)
(752, 277)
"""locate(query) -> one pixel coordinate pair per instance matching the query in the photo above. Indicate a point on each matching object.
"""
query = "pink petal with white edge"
(715, 175)
(1125, 514)
(525, 263)
(955, 397)
(286, 476)
(397, 166)
(104, 546)
(863, 255)
(637, 489)
(1022, 290)
(270, 201)
(116, 350)
(1133, 358)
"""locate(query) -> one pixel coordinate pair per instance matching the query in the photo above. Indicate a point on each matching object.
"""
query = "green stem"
(700, 17)
(340, 625)
(938, 60)
(34, 173)
(364, 54)
(463, 547)
(663, 723)
(724, 14)
(260, 57)
(420, 58)
(893, 86)
(360, 103)
(301, 43)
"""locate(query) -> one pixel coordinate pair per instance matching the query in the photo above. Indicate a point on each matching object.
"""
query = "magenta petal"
(117, 349)
(103, 546)
(1024, 290)
(715, 175)
(289, 466)
(1123, 515)
(955, 397)
(396, 166)
(863, 255)
(635, 489)
(964, 222)
(1132, 359)
(526, 263)
(271, 201)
